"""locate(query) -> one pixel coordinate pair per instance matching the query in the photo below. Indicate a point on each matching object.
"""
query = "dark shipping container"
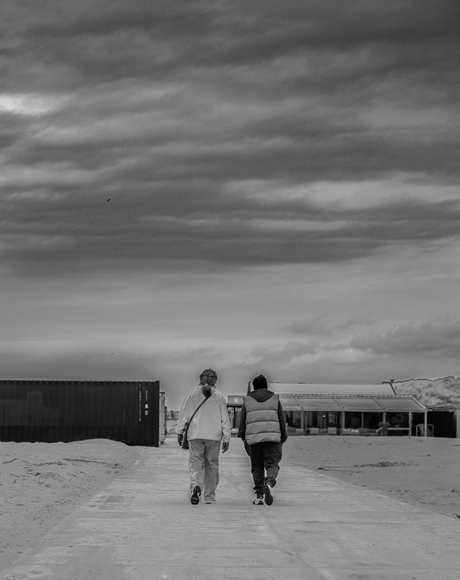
(53, 410)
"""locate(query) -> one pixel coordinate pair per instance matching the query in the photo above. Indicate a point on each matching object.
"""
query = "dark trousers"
(265, 458)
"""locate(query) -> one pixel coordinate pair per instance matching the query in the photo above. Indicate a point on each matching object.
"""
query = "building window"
(371, 420)
(333, 419)
(352, 420)
(323, 419)
(398, 419)
(293, 419)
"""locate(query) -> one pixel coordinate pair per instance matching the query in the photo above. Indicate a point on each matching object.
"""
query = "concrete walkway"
(142, 526)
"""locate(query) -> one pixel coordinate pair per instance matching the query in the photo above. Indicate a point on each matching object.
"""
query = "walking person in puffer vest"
(263, 431)
(209, 427)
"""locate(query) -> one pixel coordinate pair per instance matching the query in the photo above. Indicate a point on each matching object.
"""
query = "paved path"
(142, 526)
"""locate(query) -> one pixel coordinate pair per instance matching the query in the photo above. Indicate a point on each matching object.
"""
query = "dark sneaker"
(258, 500)
(195, 497)
(268, 494)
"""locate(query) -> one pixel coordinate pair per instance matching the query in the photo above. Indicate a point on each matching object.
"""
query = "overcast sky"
(260, 187)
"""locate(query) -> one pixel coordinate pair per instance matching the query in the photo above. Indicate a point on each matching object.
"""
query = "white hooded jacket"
(212, 420)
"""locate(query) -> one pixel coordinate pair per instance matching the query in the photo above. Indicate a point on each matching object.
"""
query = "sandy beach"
(420, 471)
(41, 483)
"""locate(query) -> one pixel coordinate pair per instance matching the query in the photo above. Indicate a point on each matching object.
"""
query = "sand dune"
(40, 483)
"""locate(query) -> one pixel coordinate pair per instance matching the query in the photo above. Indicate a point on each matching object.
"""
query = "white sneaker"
(258, 500)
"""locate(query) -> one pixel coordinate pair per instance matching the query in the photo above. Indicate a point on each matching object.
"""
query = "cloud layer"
(174, 133)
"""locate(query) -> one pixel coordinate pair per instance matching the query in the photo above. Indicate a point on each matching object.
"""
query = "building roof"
(370, 389)
(395, 403)
(445, 407)
(343, 397)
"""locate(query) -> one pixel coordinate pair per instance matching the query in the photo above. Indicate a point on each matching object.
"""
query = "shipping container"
(162, 417)
(69, 410)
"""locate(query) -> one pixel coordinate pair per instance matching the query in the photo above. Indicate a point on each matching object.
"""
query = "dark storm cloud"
(111, 40)
(156, 110)
(67, 233)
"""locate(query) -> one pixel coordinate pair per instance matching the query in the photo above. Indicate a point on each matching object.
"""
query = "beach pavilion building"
(343, 409)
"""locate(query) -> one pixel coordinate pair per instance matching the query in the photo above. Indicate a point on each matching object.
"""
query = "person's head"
(208, 377)
(259, 382)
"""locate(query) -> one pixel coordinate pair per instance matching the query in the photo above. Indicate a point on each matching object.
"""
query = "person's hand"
(225, 446)
(180, 436)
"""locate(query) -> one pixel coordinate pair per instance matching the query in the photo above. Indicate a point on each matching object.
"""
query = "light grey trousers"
(204, 466)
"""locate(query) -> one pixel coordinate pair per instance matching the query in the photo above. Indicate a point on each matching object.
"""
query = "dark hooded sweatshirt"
(262, 395)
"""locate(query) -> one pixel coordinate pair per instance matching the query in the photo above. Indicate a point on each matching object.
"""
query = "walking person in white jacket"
(208, 428)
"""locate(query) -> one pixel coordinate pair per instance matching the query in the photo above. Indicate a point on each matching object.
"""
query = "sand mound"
(40, 483)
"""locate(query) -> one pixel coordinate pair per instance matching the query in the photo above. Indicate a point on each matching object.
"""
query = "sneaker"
(268, 494)
(258, 500)
(195, 497)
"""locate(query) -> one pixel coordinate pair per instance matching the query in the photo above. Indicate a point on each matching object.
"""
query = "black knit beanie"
(259, 382)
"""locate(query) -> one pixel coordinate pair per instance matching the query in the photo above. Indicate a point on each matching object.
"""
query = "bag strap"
(196, 410)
